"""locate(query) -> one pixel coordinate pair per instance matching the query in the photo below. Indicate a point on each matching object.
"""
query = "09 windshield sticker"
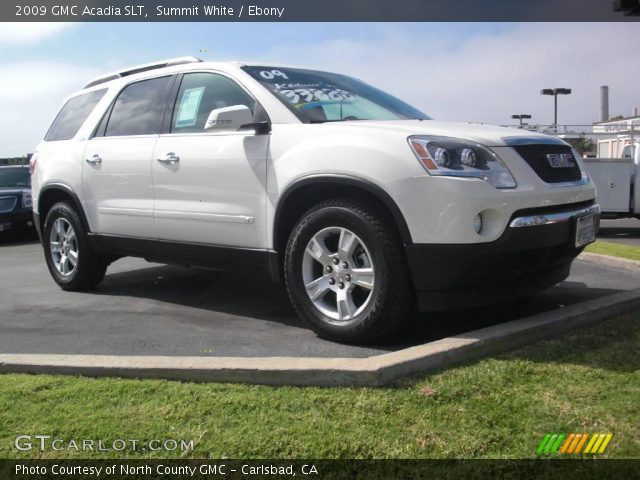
(305, 94)
(302, 97)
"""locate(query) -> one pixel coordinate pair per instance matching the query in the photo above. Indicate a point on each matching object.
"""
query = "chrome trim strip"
(551, 218)
(533, 140)
(204, 217)
(575, 183)
(130, 212)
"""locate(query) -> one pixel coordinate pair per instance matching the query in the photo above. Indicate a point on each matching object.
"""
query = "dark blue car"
(15, 198)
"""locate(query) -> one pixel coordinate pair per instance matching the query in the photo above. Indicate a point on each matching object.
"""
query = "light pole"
(521, 116)
(555, 92)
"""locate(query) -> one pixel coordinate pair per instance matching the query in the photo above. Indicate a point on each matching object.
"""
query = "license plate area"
(585, 230)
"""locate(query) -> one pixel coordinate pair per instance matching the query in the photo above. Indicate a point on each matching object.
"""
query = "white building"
(614, 135)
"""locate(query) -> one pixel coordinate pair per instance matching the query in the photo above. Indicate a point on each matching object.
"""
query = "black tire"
(90, 267)
(392, 297)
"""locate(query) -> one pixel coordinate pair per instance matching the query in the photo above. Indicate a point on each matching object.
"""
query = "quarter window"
(139, 108)
(199, 94)
(73, 115)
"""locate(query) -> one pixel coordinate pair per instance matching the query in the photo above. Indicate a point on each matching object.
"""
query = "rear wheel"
(71, 260)
(346, 272)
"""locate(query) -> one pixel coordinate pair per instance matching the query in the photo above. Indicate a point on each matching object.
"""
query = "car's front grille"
(552, 163)
(7, 204)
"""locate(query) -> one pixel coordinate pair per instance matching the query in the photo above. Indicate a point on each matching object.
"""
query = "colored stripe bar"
(596, 446)
(605, 443)
(543, 443)
(574, 444)
(591, 443)
(552, 443)
(567, 443)
(555, 447)
(584, 439)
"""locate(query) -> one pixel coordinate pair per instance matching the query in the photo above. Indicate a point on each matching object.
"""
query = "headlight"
(27, 202)
(461, 158)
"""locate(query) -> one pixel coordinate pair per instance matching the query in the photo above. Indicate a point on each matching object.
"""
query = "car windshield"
(318, 97)
(15, 177)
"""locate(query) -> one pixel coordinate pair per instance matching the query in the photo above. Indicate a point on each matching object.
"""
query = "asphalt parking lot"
(625, 231)
(150, 309)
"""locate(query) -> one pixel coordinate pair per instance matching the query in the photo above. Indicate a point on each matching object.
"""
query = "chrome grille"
(537, 156)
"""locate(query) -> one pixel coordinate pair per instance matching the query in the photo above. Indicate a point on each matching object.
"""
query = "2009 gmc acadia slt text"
(363, 205)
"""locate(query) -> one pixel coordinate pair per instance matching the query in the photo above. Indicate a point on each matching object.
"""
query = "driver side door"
(209, 186)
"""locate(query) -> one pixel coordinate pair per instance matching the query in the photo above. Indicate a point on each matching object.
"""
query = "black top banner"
(320, 10)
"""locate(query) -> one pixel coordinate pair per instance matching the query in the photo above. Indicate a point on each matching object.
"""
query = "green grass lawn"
(615, 250)
(499, 407)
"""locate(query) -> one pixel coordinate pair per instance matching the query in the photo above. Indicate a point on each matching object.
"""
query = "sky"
(467, 72)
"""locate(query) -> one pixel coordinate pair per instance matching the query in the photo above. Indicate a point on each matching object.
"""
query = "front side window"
(199, 94)
(317, 97)
(139, 108)
(15, 177)
(73, 115)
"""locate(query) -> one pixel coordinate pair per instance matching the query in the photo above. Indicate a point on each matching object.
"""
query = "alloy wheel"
(338, 274)
(63, 245)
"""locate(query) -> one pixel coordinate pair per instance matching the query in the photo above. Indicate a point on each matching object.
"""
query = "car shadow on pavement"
(257, 298)
(227, 292)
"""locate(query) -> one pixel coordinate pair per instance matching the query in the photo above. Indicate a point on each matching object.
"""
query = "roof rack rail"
(142, 68)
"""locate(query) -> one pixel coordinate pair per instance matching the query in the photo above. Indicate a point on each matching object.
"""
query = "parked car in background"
(364, 206)
(15, 199)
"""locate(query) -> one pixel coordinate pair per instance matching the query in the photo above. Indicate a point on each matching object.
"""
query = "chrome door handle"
(170, 158)
(94, 160)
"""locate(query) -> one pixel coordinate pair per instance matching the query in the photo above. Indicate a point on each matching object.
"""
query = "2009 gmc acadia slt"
(361, 203)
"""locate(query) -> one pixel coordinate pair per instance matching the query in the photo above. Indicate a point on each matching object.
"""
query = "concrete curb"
(610, 261)
(373, 371)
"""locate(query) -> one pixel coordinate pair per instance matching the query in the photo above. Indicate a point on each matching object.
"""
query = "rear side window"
(139, 108)
(73, 115)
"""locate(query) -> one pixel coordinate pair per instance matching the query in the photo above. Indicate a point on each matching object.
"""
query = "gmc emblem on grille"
(560, 160)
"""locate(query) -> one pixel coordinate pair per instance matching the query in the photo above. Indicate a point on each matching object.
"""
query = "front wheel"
(346, 272)
(71, 260)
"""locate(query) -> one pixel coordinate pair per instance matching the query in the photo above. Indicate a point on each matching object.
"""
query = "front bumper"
(18, 219)
(533, 253)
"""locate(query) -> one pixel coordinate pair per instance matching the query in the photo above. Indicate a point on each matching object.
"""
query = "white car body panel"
(215, 194)
(118, 192)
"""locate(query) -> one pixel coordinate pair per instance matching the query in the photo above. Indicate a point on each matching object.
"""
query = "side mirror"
(229, 118)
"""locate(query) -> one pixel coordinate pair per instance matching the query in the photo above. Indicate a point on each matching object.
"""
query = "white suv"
(365, 206)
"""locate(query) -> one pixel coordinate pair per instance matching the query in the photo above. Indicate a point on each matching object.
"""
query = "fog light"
(477, 223)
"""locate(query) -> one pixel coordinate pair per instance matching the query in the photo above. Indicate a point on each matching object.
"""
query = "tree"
(582, 144)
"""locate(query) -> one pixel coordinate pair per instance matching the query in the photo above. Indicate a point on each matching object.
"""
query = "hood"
(488, 135)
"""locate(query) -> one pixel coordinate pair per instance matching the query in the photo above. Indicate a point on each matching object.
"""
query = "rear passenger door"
(210, 185)
(116, 173)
